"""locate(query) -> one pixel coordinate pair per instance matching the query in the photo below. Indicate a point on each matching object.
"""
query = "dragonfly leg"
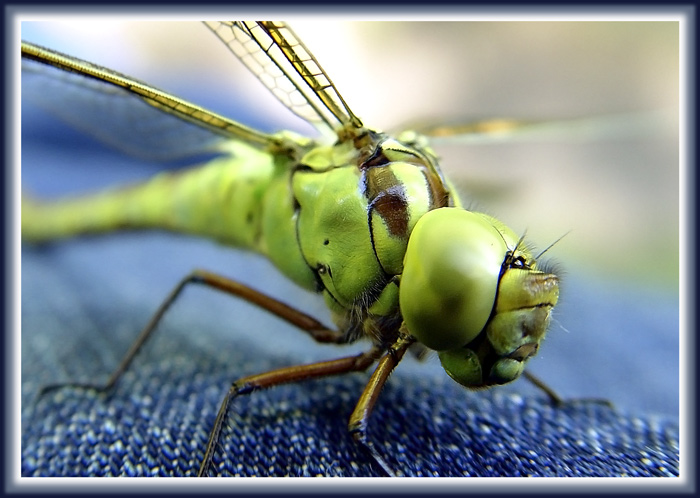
(557, 400)
(247, 385)
(293, 316)
(551, 394)
(360, 416)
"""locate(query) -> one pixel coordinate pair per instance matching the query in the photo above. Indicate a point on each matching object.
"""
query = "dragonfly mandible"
(366, 220)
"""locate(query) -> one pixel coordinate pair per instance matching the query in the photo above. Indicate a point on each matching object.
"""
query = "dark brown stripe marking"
(386, 195)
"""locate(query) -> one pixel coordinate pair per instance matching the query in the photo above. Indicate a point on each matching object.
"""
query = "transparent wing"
(285, 66)
(113, 115)
(612, 126)
(122, 111)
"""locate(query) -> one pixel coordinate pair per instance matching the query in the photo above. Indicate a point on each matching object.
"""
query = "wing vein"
(150, 95)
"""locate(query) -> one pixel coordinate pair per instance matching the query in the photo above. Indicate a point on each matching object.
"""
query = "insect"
(370, 296)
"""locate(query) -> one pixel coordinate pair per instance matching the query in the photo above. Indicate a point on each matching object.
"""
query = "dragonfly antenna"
(551, 245)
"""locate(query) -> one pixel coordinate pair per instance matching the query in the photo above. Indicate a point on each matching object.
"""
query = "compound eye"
(451, 270)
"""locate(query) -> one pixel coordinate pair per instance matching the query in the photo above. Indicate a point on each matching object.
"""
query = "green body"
(369, 221)
(338, 220)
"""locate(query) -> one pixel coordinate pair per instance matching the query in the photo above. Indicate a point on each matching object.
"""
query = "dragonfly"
(365, 219)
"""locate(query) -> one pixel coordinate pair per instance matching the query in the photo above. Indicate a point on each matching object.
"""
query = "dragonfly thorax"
(349, 215)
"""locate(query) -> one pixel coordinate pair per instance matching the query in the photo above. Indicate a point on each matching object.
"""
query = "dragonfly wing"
(113, 115)
(287, 68)
(122, 111)
(612, 126)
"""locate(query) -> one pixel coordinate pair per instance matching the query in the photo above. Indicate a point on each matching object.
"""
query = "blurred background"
(616, 334)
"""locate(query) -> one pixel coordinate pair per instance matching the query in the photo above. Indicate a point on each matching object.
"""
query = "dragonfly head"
(471, 291)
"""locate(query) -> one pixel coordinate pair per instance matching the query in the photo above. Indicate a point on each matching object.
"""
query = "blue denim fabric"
(85, 301)
(422, 429)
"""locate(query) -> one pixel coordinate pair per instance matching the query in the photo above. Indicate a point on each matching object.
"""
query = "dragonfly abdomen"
(220, 200)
